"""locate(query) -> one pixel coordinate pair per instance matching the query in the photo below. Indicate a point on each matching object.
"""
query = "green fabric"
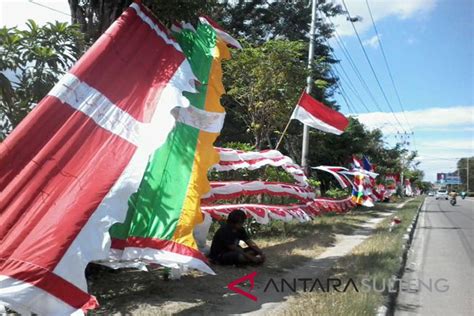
(155, 209)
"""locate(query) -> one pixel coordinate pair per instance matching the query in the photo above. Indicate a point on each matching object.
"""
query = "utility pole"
(467, 175)
(309, 81)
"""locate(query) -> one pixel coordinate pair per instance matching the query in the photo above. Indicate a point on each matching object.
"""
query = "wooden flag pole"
(283, 134)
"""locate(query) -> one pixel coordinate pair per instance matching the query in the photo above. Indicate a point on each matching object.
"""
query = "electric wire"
(372, 67)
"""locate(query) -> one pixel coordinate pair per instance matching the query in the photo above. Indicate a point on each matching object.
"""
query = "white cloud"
(440, 148)
(372, 42)
(453, 118)
(402, 9)
(449, 144)
(17, 12)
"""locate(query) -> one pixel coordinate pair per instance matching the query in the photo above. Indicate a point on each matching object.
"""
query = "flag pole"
(309, 80)
(283, 134)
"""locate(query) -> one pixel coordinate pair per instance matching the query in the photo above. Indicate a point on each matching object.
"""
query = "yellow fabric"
(205, 157)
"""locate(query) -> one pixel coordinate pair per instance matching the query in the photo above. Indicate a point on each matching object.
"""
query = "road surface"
(438, 278)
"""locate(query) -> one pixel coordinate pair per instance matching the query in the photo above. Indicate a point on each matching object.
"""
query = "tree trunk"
(95, 16)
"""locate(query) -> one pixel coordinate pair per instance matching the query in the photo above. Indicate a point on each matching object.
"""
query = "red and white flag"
(315, 114)
(68, 170)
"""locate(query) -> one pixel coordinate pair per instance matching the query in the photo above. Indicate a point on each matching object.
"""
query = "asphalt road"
(438, 279)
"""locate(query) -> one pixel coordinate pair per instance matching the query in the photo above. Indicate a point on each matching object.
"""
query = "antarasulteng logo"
(294, 285)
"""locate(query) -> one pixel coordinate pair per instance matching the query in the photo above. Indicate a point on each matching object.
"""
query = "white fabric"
(154, 27)
(222, 35)
(307, 118)
(84, 98)
(93, 242)
(238, 159)
(232, 187)
(211, 122)
(25, 298)
(200, 233)
(165, 258)
(335, 174)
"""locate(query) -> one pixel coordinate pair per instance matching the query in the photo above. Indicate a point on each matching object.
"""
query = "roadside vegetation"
(377, 259)
(287, 246)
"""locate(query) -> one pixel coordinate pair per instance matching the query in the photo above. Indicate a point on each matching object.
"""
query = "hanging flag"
(357, 163)
(367, 164)
(337, 172)
(232, 159)
(166, 207)
(317, 115)
(67, 171)
(359, 194)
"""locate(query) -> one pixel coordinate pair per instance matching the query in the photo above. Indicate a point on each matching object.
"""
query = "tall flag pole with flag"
(313, 113)
(68, 170)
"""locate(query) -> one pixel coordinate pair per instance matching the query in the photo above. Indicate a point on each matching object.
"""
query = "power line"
(344, 95)
(354, 67)
(350, 85)
(371, 66)
(49, 8)
(386, 63)
(335, 73)
(379, 38)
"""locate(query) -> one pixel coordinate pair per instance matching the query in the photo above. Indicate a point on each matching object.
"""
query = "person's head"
(236, 219)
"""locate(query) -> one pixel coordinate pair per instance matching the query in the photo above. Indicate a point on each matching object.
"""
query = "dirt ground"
(132, 292)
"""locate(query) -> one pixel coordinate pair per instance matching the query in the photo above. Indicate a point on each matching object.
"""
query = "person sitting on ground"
(225, 248)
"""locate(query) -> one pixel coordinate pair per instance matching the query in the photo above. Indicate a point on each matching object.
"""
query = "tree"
(462, 171)
(95, 16)
(31, 61)
(258, 21)
(264, 82)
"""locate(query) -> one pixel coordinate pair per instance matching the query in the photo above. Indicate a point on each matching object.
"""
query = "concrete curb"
(408, 238)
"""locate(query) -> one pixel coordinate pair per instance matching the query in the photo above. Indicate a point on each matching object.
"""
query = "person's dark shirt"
(224, 237)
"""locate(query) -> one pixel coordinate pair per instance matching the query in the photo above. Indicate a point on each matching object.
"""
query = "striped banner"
(166, 206)
(68, 170)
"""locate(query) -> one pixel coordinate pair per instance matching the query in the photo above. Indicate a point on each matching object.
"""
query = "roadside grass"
(377, 259)
(287, 245)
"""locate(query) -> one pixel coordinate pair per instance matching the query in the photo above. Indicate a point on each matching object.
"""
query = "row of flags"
(112, 164)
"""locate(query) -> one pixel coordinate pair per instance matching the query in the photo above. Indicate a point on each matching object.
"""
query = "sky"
(429, 46)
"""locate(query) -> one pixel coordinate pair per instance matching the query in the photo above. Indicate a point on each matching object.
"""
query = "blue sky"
(430, 49)
(429, 46)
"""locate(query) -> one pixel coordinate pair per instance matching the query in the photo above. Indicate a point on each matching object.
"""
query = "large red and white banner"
(68, 170)
(317, 115)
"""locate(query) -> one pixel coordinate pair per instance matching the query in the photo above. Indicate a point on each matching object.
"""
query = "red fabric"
(229, 196)
(155, 243)
(323, 112)
(49, 282)
(58, 164)
(312, 209)
(54, 193)
(130, 65)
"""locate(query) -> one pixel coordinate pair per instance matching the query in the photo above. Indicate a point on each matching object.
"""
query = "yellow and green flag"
(166, 207)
